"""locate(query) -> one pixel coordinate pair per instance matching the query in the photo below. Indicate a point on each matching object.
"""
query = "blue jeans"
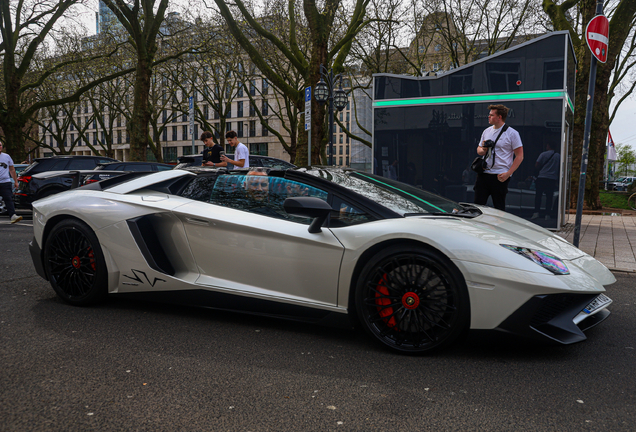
(6, 192)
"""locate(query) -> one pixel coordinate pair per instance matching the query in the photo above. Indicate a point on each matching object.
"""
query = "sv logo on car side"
(138, 278)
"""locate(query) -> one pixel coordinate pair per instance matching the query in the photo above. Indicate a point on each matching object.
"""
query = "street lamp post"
(337, 97)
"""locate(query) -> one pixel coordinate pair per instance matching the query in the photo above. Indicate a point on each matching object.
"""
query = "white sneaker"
(534, 216)
(15, 218)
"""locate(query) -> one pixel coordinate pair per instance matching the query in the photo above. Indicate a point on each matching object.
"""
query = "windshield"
(399, 197)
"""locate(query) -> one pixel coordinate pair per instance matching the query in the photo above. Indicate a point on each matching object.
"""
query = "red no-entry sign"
(597, 36)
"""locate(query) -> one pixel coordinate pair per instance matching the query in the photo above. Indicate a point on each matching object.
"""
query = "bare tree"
(573, 15)
(28, 62)
(324, 47)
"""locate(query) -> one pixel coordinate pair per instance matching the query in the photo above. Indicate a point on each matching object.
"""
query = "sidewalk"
(609, 239)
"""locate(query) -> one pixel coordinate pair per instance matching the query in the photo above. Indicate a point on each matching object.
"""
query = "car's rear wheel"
(413, 300)
(74, 263)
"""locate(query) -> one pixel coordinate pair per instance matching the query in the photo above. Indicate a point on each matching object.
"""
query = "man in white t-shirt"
(8, 178)
(503, 160)
(241, 153)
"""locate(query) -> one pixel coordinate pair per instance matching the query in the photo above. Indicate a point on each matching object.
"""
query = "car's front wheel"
(413, 300)
(74, 263)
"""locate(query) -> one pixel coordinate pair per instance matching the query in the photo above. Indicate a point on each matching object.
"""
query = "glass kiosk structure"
(426, 129)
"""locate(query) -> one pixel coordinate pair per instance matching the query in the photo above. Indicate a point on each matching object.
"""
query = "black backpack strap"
(503, 129)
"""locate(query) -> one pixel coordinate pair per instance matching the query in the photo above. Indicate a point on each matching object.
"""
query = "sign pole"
(191, 109)
(308, 122)
(596, 52)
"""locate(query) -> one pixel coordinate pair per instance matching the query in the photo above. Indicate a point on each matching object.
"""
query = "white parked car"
(414, 269)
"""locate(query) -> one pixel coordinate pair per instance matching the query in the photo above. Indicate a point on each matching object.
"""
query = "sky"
(623, 128)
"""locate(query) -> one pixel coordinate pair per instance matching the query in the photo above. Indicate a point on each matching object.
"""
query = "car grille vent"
(552, 306)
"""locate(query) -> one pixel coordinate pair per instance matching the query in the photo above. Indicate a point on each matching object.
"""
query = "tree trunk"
(140, 118)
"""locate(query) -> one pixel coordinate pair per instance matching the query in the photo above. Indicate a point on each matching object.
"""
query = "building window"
(340, 160)
(165, 134)
(184, 132)
(196, 130)
(265, 87)
(119, 120)
(228, 126)
(164, 116)
(253, 87)
(118, 137)
(340, 150)
(265, 130)
(127, 137)
(184, 117)
(252, 128)
(186, 150)
(169, 154)
(229, 111)
(239, 93)
(174, 133)
(239, 129)
(216, 115)
(206, 112)
(260, 149)
(265, 109)
(252, 110)
(239, 109)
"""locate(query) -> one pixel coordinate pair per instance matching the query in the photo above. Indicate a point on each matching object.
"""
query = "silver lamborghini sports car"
(415, 270)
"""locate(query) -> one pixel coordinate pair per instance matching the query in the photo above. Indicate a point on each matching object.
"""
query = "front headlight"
(544, 259)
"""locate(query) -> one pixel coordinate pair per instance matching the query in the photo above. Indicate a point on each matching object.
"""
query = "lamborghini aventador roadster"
(415, 270)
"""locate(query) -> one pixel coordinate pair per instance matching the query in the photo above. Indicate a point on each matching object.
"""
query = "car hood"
(500, 227)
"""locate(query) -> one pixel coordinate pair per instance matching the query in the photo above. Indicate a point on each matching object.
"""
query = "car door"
(240, 250)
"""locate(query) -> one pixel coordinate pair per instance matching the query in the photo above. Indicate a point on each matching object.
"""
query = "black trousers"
(489, 185)
(6, 192)
(547, 187)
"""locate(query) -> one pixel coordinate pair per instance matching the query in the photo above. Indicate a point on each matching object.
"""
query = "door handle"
(196, 221)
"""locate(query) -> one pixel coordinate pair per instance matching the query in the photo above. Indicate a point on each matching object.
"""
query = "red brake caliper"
(382, 300)
(91, 257)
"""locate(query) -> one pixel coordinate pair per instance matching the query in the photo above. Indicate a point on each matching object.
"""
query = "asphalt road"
(129, 365)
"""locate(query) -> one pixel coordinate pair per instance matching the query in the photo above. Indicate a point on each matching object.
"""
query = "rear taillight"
(25, 179)
(90, 181)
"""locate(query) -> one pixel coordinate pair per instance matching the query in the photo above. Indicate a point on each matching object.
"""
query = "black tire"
(413, 300)
(74, 263)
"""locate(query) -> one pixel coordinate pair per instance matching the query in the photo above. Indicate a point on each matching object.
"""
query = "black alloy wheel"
(74, 263)
(413, 300)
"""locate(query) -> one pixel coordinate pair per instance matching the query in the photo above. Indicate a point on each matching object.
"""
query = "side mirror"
(309, 207)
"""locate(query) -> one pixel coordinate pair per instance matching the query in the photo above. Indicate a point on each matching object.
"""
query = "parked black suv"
(255, 161)
(125, 167)
(31, 188)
